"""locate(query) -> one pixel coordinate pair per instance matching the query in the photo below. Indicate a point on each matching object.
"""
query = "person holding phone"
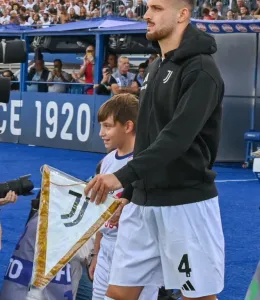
(104, 88)
(58, 75)
(87, 70)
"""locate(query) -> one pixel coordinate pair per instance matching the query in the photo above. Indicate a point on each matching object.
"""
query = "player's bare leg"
(212, 297)
(124, 292)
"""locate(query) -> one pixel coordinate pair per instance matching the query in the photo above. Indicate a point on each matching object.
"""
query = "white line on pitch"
(236, 180)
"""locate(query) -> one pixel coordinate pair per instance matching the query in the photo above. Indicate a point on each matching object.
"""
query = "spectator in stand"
(6, 17)
(14, 20)
(55, 20)
(96, 13)
(87, 70)
(244, 14)
(29, 4)
(122, 11)
(104, 88)
(52, 9)
(207, 5)
(75, 6)
(36, 21)
(108, 10)
(38, 73)
(123, 81)
(214, 14)
(83, 13)
(46, 20)
(130, 6)
(257, 11)
(140, 9)
(222, 10)
(10, 75)
(140, 75)
(58, 75)
(16, 7)
(236, 4)
(23, 21)
(130, 14)
(73, 17)
(91, 9)
(230, 15)
(206, 14)
(22, 11)
(111, 62)
(64, 16)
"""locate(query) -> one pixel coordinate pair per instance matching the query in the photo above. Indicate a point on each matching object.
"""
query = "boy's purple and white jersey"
(110, 164)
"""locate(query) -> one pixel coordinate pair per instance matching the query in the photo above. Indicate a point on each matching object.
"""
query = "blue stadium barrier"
(61, 121)
(10, 128)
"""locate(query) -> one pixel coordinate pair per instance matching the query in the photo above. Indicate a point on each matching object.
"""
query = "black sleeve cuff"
(126, 175)
(128, 192)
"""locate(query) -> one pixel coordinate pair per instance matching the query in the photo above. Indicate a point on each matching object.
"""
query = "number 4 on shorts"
(184, 266)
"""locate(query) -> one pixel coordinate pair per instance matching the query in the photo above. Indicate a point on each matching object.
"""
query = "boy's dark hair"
(123, 108)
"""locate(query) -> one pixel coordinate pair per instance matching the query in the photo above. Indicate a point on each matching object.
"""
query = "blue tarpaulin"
(108, 22)
(137, 26)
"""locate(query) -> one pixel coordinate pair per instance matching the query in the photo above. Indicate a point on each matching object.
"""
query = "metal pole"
(253, 109)
(101, 14)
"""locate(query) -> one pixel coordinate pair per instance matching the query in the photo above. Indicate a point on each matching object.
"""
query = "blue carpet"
(239, 201)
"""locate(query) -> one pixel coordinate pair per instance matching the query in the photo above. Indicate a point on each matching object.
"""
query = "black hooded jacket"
(178, 128)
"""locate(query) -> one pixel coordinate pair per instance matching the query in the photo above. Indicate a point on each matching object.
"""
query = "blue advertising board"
(10, 127)
(52, 120)
(225, 26)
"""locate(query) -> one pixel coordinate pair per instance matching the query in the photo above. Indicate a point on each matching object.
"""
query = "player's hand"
(10, 197)
(100, 186)
(115, 218)
(92, 267)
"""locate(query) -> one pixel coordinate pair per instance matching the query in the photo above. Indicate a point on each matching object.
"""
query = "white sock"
(107, 298)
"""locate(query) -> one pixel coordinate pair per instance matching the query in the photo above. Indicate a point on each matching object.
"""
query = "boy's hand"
(92, 267)
(115, 218)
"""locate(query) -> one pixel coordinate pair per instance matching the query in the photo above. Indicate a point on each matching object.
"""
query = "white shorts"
(179, 247)
(102, 274)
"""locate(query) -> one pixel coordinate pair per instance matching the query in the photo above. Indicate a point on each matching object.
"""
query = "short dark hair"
(123, 108)
(190, 3)
(58, 60)
(11, 74)
(142, 66)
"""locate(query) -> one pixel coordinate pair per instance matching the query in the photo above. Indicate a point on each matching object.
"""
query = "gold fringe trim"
(41, 280)
(40, 255)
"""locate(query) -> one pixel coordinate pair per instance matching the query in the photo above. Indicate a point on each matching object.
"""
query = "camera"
(21, 186)
(13, 51)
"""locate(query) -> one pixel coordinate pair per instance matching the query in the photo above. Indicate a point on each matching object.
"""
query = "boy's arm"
(93, 264)
(98, 238)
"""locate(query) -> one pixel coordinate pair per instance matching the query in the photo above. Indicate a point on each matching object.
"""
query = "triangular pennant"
(66, 221)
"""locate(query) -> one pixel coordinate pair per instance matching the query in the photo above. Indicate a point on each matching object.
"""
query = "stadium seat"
(252, 139)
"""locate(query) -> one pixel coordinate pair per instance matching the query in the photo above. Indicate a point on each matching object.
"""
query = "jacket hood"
(194, 42)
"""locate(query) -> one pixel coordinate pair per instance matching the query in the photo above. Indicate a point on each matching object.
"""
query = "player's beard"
(160, 34)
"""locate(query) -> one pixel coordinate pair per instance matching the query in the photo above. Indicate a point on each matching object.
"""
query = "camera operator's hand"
(10, 197)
